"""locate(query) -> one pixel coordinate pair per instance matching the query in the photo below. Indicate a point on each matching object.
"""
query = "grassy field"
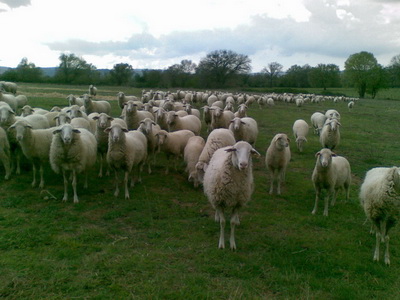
(162, 244)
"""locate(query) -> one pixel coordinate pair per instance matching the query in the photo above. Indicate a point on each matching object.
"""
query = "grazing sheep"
(72, 150)
(127, 150)
(270, 102)
(189, 122)
(100, 106)
(35, 144)
(220, 118)
(277, 159)
(92, 90)
(332, 173)
(380, 199)
(350, 105)
(72, 100)
(5, 153)
(228, 185)
(9, 87)
(300, 131)
(133, 116)
(191, 154)
(149, 128)
(318, 120)
(173, 144)
(330, 134)
(218, 138)
(244, 129)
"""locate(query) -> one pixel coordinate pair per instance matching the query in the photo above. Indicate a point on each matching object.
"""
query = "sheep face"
(131, 106)
(66, 133)
(103, 120)
(115, 132)
(26, 111)
(20, 128)
(146, 126)
(281, 141)
(62, 119)
(120, 96)
(237, 122)
(241, 153)
(171, 115)
(161, 137)
(75, 111)
(325, 157)
(333, 123)
(5, 113)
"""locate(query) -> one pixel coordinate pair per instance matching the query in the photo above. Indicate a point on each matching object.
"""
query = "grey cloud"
(16, 3)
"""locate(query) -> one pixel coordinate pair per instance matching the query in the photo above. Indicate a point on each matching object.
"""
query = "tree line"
(221, 69)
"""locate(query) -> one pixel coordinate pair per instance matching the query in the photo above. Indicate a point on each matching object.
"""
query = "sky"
(155, 34)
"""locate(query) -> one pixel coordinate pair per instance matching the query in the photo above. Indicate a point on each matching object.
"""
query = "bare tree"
(272, 71)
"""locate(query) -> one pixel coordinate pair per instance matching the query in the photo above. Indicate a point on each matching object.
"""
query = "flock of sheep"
(73, 138)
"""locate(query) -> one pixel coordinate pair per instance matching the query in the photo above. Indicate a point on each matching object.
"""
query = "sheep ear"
(125, 130)
(232, 149)
(95, 118)
(334, 154)
(110, 118)
(107, 130)
(255, 152)
(76, 130)
(154, 123)
(288, 140)
(56, 131)
(29, 126)
(11, 127)
(242, 122)
(317, 154)
(339, 124)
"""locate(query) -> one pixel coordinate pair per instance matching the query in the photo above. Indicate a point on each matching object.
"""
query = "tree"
(323, 76)
(121, 74)
(297, 76)
(25, 72)
(272, 71)
(377, 80)
(394, 71)
(74, 69)
(222, 66)
(359, 68)
(179, 74)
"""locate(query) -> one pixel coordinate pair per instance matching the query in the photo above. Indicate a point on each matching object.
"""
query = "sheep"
(300, 131)
(299, 102)
(173, 144)
(9, 87)
(270, 102)
(126, 150)
(207, 116)
(244, 129)
(192, 111)
(72, 100)
(92, 90)
(218, 138)
(211, 99)
(122, 99)
(189, 122)
(330, 134)
(75, 111)
(350, 105)
(35, 144)
(10, 100)
(379, 197)
(100, 106)
(220, 118)
(161, 118)
(51, 118)
(72, 150)
(22, 100)
(318, 120)
(242, 111)
(133, 116)
(149, 128)
(228, 185)
(191, 154)
(332, 173)
(5, 153)
(332, 113)
(277, 159)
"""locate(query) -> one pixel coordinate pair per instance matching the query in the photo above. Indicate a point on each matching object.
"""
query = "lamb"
(191, 154)
(220, 118)
(318, 120)
(126, 150)
(332, 173)
(244, 129)
(92, 90)
(228, 184)
(173, 144)
(189, 122)
(100, 106)
(379, 197)
(133, 116)
(72, 100)
(5, 153)
(35, 144)
(330, 134)
(277, 159)
(217, 138)
(72, 150)
(122, 99)
(300, 131)
(149, 128)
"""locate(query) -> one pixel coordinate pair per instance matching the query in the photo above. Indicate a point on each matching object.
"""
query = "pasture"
(162, 244)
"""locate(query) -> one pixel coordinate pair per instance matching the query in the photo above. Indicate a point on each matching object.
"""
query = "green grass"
(162, 244)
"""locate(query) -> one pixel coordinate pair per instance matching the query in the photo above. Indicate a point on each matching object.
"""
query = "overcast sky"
(158, 33)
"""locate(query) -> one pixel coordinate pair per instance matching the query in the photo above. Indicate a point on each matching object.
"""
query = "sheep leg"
(326, 208)
(4, 157)
(41, 184)
(126, 179)
(280, 177)
(387, 255)
(85, 186)
(65, 198)
(317, 197)
(76, 200)
(333, 201)
(234, 221)
(34, 175)
(221, 244)
(116, 193)
(18, 159)
(271, 189)
(101, 166)
(378, 241)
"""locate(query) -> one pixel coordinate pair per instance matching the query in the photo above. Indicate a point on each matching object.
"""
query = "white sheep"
(330, 134)
(332, 113)
(35, 144)
(332, 173)
(122, 99)
(242, 111)
(10, 87)
(127, 150)
(277, 159)
(22, 100)
(149, 128)
(350, 105)
(228, 185)
(218, 138)
(191, 154)
(5, 153)
(220, 118)
(380, 199)
(270, 102)
(100, 106)
(300, 131)
(207, 116)
(192, 111)
(92, 90)
(244, 129)
(317, 121)
(173, 144)
(72, 150)
(133, 116)
(189, 122)
(10, 100)
(72, 100)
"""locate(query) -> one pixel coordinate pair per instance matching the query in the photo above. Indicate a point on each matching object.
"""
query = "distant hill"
(3, 69)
